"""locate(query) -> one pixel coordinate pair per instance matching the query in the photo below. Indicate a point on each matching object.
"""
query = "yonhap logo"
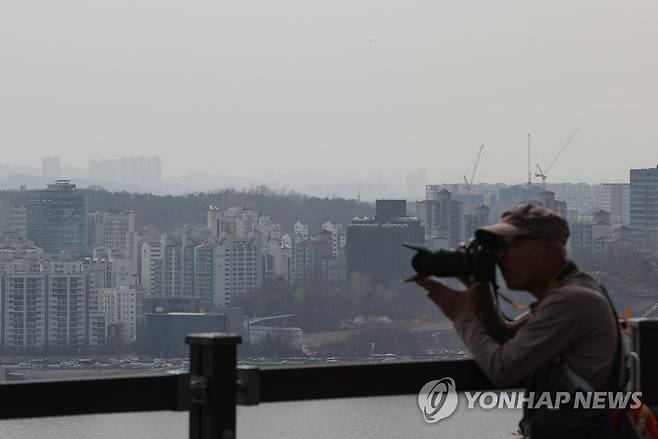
(438, 399)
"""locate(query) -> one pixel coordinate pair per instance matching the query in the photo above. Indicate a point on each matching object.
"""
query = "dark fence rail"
(94, 395)
(215, 385)
(252, 385)
(355, 380)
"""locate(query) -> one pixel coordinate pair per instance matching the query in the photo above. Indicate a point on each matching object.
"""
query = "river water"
(381, 417)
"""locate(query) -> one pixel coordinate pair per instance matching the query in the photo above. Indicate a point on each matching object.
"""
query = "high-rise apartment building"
(548, 200)
(112, 315)
(238, 268)
(214, 221)
(114, 230)
(44, 310)
(96, 321)
(57, 219)
(591, 237)
(179, 264)
(23, 321)
(586, 198)
(615, 198)
(152, 264)
(309, 258)
(643, 203)
(203, 273)
(182, 251)
(66, 310)
(61, 307)
(239, 224)
(168, 265)
(442, 217)
(338, 238)
(474, 221)
(235, 221)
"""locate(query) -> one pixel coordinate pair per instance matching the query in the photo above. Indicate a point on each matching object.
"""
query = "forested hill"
(169, 211)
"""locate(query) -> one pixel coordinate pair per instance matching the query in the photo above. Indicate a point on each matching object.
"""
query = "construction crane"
(469, 182)
(543, 174)
(529, 167)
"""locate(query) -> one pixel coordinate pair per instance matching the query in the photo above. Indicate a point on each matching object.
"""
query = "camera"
(475, 261)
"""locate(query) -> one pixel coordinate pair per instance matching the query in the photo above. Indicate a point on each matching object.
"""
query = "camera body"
(474, 261)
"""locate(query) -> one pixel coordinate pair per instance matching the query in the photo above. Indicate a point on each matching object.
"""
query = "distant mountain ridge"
(167, 211)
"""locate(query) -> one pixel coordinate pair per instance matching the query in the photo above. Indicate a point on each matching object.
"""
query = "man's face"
(521, 261)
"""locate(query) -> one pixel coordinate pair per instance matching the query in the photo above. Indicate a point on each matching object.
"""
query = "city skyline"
(76, 276)
(72, 169)
(144, 174)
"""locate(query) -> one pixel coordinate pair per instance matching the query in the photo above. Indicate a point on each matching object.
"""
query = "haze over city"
(290, 91)
(205, 205)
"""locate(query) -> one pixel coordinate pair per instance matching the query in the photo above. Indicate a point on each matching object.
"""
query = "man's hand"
(451, 302)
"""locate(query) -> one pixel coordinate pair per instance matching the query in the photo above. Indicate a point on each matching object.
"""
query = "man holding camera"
(570, 322)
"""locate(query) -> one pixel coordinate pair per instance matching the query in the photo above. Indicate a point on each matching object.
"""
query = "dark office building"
(374, 246)
(57, 219)
(164, 334)
(385, 210)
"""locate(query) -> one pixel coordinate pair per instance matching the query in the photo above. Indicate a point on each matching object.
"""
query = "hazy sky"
(350, 87)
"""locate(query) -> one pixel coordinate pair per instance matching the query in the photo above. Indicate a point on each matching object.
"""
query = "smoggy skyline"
(341, 89)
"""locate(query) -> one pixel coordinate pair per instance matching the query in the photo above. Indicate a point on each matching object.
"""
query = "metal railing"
(215, 385)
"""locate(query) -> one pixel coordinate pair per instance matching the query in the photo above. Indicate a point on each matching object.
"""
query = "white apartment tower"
(112, 310)
(442, 217)
(120, 310)
(24, 311)
(238, 268)
(152, 264)
(114, 230)
(66, 309)
(338, 237)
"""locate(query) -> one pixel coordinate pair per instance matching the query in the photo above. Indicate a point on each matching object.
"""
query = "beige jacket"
(573, 320)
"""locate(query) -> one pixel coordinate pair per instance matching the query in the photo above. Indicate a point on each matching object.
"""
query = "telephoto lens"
(473, 261)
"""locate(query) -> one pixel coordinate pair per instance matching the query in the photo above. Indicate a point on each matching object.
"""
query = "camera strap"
(497, 295)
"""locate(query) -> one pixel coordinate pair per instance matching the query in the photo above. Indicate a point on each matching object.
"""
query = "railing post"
(644, 339)
(213, 385)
